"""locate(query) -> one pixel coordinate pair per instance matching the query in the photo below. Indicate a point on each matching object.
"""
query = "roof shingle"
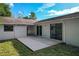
(9, 20)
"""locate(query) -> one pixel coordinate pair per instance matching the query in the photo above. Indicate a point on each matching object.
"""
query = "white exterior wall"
(1, 32)
(46, 30)
(5, 35)
(35, 30)
(71, 31)
(21, 31)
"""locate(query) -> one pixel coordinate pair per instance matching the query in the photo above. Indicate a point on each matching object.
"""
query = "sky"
(43, 10)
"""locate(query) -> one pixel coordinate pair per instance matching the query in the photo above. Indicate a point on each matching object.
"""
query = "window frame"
(8, 30)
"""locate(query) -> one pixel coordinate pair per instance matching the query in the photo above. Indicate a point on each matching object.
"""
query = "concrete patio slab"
(36, 43)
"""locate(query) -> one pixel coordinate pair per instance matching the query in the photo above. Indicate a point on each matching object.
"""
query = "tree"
(4, 10)
(20, 15)
(26, 17)
(32, 15)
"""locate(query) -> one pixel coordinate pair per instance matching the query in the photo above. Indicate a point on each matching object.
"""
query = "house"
(64, 28)
(15, 28)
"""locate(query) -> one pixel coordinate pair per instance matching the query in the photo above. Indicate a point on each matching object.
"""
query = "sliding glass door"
(30, 30)
(56, 31)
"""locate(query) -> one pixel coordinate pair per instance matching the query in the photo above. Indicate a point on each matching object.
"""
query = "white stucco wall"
(20, 32)
(46, 30)
(71, 31)
(35, 30)
(1, 32)
(5, 35)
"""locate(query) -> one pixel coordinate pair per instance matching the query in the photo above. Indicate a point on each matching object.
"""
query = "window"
(8, 27)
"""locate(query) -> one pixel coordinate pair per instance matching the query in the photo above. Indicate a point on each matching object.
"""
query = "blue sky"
(43, 10)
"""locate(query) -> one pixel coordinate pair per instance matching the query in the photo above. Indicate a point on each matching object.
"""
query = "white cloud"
(45, 6)
(63, 12)
(11, 5)
(20, 12)
(29, 14)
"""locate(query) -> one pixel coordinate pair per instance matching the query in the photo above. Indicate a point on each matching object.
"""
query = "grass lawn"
(14, 47)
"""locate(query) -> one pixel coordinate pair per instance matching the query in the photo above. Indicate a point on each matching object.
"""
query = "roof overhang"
(59, 19)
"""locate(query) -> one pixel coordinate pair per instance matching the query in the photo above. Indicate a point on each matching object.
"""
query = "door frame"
(56, 32)
(32, 28)
(39, 30)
